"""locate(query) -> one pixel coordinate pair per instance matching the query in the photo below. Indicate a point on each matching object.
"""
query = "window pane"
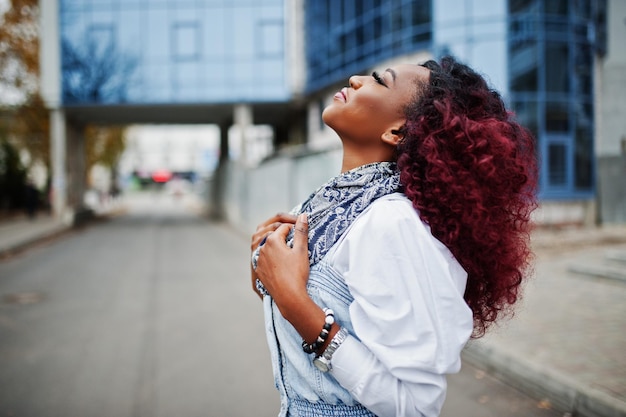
(583, 68)
(557, 117)
(270, 38)
(421, 11)
(582, 8)
(524, 67)
(584, 152)
(526, 114)
(557, 67)
(186, 38)
(557, 164)
(557, 7)
(583, 114)
(520, 6)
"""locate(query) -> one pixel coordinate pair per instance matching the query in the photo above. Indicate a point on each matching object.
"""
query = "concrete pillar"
(67, 153)
(58, 151)
(76, 167)
(217, 192)
(242, 116)
(50, 86)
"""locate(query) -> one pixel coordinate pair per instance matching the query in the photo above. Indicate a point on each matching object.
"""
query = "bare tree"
(95, 73)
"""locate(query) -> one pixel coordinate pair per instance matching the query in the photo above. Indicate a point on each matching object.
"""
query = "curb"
(15, 247)
(544, 384)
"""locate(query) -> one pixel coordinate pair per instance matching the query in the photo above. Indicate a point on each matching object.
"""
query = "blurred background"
(185, 123)
(99, 97)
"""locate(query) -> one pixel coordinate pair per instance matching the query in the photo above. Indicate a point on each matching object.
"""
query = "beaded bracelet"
(328, 323)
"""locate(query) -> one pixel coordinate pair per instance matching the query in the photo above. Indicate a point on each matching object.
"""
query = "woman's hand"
(284, 271)
(262, 231)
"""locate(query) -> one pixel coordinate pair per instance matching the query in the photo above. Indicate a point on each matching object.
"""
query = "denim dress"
(304, 390)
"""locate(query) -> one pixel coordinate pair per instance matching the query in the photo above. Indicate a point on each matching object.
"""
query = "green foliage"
(12, 177)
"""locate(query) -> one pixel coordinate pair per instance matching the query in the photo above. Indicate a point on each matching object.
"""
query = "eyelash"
(378, 79)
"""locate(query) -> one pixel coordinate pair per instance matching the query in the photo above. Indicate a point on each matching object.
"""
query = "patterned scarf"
(334, 206)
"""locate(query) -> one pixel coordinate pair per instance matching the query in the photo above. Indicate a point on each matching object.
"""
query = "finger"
(278, 219)
(280, 233)
(262, 233)
(301, 235)
(287, 218)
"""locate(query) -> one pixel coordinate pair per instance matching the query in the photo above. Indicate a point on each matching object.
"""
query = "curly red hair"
(470, 170)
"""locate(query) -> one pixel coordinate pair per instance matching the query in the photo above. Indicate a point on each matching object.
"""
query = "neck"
(356, 156)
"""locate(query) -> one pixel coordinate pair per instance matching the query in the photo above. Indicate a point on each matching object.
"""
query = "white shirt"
(409, 315)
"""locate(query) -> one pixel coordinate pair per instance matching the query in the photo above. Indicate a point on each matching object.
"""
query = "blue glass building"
(538, 53)
(163, 51)
(349, 36)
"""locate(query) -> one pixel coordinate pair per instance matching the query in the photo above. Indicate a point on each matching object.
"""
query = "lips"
(342, 95)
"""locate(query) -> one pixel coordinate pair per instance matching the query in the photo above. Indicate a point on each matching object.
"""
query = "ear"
(393, 135)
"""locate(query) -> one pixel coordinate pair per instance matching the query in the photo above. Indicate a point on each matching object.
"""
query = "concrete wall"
(254, 194)
(612, 189)
(610, 90)
(566, 213)
(610, 85)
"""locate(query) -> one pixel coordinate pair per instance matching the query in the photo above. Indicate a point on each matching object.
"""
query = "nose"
(355, 82)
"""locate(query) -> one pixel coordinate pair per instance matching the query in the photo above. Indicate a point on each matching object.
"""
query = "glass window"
(559, 7)
(348, 9)
(523, 67)
(582, 8)
(242, 37)
(557, 68)
(100, 37)
(358, 8)
(397, 24)
(583, 173)
(349, 36)
(270, 38)
(186, 41)
(557, 116)
(335, 13)
(557, 164)
(421, 11)
(583, 69)
(583, 113)
(526, 114)
(526, 81)
(521, 6)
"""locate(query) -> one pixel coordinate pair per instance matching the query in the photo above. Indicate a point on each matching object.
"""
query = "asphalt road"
(150, 314)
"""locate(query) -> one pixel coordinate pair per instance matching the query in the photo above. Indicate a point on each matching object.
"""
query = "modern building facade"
(542, 55)
(162, 52)
(278, 62)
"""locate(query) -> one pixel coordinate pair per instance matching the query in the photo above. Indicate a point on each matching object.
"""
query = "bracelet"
(328, 323)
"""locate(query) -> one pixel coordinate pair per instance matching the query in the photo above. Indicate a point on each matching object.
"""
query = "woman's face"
(374, 104)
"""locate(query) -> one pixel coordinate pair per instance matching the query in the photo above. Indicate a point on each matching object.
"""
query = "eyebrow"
(392, 72)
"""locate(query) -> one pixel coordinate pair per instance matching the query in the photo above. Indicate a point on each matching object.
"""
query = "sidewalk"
(19, 232)
(566, 346)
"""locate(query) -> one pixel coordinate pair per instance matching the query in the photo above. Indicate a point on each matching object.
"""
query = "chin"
(328, 116)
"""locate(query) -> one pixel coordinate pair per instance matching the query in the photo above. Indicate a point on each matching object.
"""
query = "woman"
(372, 291)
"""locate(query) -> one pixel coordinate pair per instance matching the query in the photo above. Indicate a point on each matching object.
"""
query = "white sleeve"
(408, 314)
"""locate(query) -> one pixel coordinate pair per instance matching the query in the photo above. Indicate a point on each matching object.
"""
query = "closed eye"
(379, 79)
